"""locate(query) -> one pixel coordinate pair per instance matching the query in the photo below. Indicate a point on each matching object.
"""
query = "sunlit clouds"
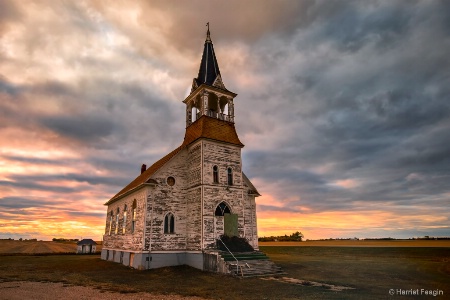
(342, 107)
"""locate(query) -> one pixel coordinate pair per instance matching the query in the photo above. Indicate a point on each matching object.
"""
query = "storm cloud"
(342, 105)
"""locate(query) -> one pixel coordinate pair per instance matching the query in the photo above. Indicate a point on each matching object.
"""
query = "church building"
(173, 212)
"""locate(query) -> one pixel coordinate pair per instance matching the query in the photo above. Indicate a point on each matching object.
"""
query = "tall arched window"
(110, 222)
(133, 217)
(222, 209)
(169, 223)
(215, 174)
(230, 176)
(194, 113)
(124, 225)
(117, 222)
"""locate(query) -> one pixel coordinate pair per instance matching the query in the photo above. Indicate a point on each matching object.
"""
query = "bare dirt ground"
(364, 243)
(19, 290)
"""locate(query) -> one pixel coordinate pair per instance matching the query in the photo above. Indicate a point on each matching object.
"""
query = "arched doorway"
(225, 221)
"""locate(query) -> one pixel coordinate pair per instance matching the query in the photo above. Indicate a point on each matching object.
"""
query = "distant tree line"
(64, 240)
(387, 238)
(295, 237)
(427, 237)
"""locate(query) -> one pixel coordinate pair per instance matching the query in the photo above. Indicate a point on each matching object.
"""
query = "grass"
(371, 271)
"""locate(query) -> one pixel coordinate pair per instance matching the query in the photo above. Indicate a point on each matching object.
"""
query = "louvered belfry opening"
(209, 96)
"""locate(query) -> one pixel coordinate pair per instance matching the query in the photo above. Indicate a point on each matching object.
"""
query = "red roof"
(212, 128)
(205, 127)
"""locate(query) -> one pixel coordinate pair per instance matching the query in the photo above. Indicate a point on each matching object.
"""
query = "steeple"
(208, 35)
(209, 68)
(209, 96)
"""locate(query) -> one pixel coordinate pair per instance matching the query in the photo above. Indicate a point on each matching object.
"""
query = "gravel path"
(49, 291)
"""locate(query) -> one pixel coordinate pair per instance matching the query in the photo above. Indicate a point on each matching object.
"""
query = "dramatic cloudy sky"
(343, 107)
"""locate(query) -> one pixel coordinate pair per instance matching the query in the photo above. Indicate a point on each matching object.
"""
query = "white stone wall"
(194, 165)
(194, 197)
(128, 240)
(250, 224)
(223, 156)
(165, 199)
(194, 218)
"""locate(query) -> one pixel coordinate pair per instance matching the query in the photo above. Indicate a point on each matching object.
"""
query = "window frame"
(229, 176)
(133, 216)
(170, 181)
(215, 174)
(124, 222)
(116, 230)
(110, 222)
(169, 223)
(222, 211)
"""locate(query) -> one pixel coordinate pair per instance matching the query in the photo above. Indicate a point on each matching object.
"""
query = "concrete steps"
(257, 255)
(251, 264)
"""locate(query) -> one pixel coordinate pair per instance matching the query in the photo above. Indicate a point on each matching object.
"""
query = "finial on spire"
(208, 35)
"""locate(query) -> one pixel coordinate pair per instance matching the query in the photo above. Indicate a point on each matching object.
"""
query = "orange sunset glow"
(343, 110)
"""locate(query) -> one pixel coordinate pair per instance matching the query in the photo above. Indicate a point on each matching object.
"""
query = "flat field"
(370, 271)
(32, 247)
(363, 243)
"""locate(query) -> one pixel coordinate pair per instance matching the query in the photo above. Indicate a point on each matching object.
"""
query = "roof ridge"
(145, 176)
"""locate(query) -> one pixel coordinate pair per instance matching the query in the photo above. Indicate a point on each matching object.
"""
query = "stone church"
(173, 212)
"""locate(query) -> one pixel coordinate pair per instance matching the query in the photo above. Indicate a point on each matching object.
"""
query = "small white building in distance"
(173, 212)
(86, 246)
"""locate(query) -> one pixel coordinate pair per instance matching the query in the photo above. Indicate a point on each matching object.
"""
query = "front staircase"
(250, 264)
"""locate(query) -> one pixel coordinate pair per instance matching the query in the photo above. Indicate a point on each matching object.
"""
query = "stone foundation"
(146, 260)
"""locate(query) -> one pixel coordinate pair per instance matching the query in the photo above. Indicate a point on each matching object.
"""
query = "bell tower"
(209, 96)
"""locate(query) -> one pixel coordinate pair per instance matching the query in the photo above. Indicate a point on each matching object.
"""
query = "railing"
(224, 117)
(213, 114)
(237, 262)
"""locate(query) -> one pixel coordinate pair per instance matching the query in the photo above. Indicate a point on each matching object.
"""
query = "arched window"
(110, 223)
(230, 176)
(169, 223)
(194, 114)
(222, 209)
(133, 217)
(215, 174)
(124, 225)
(117, 222)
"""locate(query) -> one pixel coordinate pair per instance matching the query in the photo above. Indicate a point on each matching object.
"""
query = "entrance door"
(231, 225)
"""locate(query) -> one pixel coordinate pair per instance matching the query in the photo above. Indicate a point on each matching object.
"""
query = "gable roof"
(205, 127)
(251, 188)
(86, 242)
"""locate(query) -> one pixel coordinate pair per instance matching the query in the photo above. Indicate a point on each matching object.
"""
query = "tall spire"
(209, 68)
(208, 35)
